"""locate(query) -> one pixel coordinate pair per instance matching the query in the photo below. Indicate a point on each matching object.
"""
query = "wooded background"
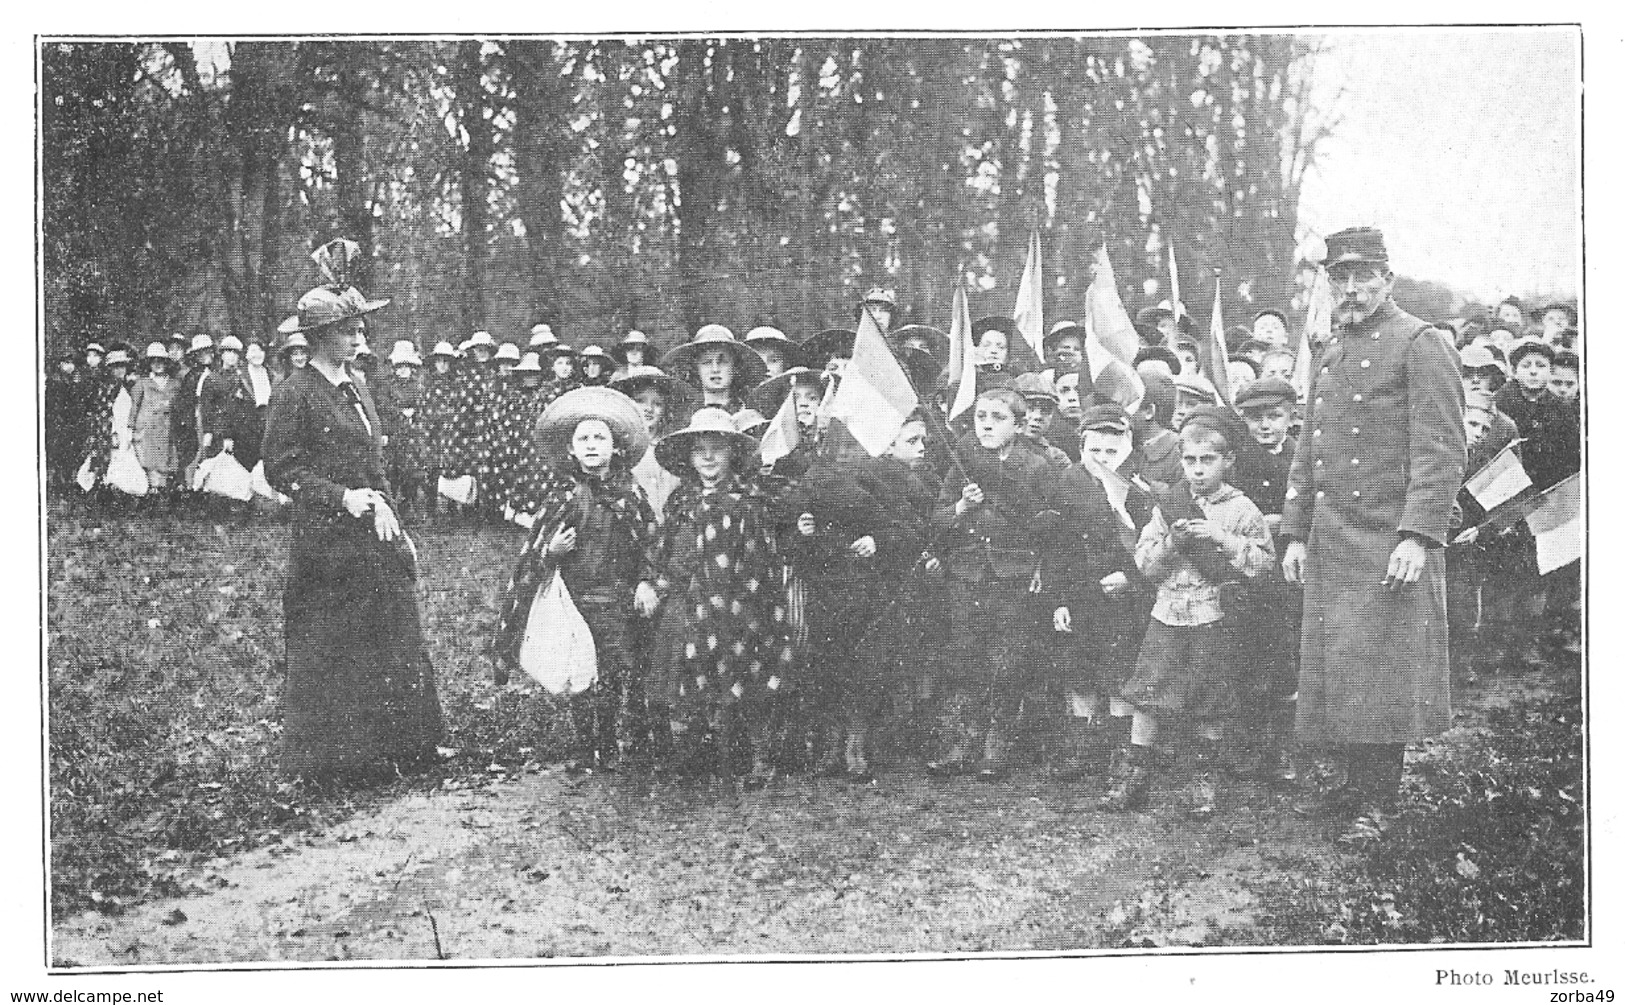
(607, 184)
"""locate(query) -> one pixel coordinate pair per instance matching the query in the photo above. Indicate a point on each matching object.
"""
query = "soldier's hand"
(384, 522)
(970, 495)
(1063, 620)
(1405, 564)
(864, 547)
(1292, 564)
(1113, 584)
(806, 525)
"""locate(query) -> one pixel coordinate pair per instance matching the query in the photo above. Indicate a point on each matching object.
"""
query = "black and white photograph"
(1024, 497)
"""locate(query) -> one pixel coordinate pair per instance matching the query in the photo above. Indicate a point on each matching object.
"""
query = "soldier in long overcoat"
(1368, 504)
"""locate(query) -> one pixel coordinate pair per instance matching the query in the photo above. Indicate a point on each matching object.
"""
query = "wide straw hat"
(156, 350)
(680, 396)
(767, 337)
(828, 344)
(200, 343)
(768, 396)
(508, 352)
(541, 335)
(674, 449)
(444, 348)
(530, 363)
(117, 356)
(95, 347)
(557, 424)
(749, 370)
(405, 351)
(597, 352)
(231, 342)
(750, 422)
(478, 339)
(295, 341)
(935, 339)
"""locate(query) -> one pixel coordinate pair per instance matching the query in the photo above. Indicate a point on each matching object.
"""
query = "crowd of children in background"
(1051, 578)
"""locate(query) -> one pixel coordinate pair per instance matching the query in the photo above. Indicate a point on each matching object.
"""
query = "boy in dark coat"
(1267, 624)
(988, 521)
(857, 538)
(1098, 595)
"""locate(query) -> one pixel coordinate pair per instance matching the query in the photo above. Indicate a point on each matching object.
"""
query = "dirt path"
(548, 866)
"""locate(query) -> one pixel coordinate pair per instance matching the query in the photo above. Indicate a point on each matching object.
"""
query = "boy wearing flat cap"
(1097, 593)
(1268, 623)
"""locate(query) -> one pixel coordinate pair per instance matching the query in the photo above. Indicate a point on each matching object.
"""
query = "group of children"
(1047, 577)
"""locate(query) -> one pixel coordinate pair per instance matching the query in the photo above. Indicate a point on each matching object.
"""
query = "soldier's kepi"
(1368, 503)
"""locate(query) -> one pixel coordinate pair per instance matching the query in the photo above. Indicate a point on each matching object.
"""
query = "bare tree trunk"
(474, 177)
(539, 132)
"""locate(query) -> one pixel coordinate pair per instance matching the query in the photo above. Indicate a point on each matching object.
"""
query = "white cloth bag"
(558, 651)
(125, 473)
(458, 490)
(224, 475)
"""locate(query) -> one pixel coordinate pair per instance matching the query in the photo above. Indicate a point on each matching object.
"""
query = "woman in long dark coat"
(360, 698)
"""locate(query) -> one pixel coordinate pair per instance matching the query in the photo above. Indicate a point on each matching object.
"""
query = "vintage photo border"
(1603, 823)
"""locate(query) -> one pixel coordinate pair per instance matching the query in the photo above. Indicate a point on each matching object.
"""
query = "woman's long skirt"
(360, 699)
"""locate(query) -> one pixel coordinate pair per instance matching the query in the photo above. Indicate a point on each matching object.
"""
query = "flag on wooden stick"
(1558, 523)
(875, 396)
(1317, 328)
(783, 434)
(1030, 296)
(1174, 303)
(1110, 341)
(1218, 357)
(964, 350)
(1499, 480)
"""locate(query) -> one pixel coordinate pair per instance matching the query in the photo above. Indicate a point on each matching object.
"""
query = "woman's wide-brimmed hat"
(324, 306)
(541, 335)
(95, 347)
(557, 424)
(679, 394)
(337, 299)
(530, 363)
(768, 396)
(936, 339)
(674, 448)
(405, 351)
(597, 352)
(444, 348)
(295, 341)
(156, 350)
(117, 356)
(751, 422)
(828, 344)
(508, 352)
(232, 343)
(749, 368)
(634, 339)
(200, 343)
(768, 337)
